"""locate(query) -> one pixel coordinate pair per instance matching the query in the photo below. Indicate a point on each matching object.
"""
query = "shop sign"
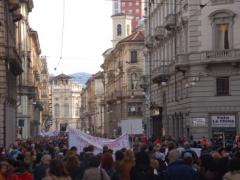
(223, 121)
(199, 122)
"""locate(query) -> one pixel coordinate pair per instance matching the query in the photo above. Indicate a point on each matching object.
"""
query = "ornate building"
(92, 106)
(122, 69)
(193, 68)
(66, 102)
(46, 115)
(13, 54)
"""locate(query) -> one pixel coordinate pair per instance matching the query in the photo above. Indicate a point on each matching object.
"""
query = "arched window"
(133, 81)
(57, 110)
(222, 25)
(66, 110)
(119, 29)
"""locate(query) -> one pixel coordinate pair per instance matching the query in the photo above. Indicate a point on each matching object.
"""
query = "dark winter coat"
(142, 173)
(40, 171)
(178, 170)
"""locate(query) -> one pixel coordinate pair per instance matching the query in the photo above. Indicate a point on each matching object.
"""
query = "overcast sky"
(87, 34)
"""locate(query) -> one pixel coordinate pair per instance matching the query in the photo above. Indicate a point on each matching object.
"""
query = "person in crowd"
(107, 165)
(21, 172)
(74, 150)
(41, 170)
(73, 167)
(119, 155)
(57, 171)
(142, 170)
(14, 152)
(171, 146)
(126, 165)
(178, 169)
(222, 162)
(85, 157)
(189, 160)
(234, 170)
(105, 149)
(3, 170)
(208, 168)
(93, 172)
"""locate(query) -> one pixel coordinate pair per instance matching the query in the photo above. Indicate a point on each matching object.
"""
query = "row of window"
(130, 4)
(119, 30)
(222, 89)
(222, 24)
(66, 110)
(130, 11)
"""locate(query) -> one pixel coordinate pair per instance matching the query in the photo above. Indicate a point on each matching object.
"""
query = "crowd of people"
(148, 159)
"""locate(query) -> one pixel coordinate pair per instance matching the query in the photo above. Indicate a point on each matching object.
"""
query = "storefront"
(156, 121)
(223, 127)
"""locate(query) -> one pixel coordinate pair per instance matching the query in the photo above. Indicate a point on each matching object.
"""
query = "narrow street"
(120, 90)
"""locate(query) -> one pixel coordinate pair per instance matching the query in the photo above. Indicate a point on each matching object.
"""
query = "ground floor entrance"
(224, 128)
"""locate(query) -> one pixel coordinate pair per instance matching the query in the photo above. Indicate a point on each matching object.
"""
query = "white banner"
(51, 133)
(81, 140)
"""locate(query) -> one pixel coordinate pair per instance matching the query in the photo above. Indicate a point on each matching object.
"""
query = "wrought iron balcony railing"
(160, 74)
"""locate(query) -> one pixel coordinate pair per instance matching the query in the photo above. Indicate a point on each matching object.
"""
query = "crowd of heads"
(148, 159)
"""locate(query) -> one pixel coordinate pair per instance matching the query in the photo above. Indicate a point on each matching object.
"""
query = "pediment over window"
(223, 13)
(132, 69)
(216, 2)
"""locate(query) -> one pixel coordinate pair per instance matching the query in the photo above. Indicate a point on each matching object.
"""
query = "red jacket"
(21, 176)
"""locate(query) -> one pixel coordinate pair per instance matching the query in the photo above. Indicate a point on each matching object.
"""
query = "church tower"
(122, 27)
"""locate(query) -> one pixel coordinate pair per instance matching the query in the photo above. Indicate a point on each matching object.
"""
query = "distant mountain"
(81, 77)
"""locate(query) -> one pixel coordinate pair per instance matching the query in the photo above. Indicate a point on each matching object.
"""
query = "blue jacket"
(178, 170)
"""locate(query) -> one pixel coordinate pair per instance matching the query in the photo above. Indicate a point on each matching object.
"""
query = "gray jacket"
(95, 174)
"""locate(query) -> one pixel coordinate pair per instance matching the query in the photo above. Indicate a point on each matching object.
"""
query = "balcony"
(170, 22)
(159, 33)
(221, 56)
(13, 5)
(110, 98)
(160, 74)
(135, 113)
(17, 16)
(207, 57)
(135, 94)
(15, 61)
(149, 42)
(29, 91)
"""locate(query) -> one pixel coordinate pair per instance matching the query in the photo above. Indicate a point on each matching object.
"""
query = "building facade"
(122, 69)
(192, 65)
(66, 102)
(12, 57)
(134, 8)
(46, 114)
(29, 114)
(92, 107)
